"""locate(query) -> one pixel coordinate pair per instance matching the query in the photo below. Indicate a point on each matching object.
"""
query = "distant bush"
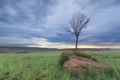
(65, 56)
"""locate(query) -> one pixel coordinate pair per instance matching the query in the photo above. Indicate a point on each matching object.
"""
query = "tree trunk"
(76, 42)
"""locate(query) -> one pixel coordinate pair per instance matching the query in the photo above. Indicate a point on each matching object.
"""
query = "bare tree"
(77, 23)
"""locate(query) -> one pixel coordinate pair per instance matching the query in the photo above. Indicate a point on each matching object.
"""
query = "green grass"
(45, 66)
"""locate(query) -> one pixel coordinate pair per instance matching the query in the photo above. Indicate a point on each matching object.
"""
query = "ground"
(44, 66)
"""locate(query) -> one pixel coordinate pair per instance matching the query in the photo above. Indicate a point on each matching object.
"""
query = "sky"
(40, 23)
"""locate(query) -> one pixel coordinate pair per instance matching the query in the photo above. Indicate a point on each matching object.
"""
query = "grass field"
(45, 66)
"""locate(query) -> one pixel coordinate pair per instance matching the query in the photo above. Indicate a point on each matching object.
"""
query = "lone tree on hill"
(77, 23)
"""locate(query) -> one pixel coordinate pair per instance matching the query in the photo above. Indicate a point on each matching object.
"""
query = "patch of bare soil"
(96, 54)
(75, 63)
(26, 58)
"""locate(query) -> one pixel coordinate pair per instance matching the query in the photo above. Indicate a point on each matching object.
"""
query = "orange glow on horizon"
(62, 46)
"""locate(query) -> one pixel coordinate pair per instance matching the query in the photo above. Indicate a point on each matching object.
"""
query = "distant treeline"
(34, 49)
(24, 49)
(92, 49)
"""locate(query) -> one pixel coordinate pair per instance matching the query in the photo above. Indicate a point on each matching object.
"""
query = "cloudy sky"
(40, 23)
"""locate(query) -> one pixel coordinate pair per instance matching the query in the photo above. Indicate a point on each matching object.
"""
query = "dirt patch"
(75, 63)
(96, 54)
(26, 58)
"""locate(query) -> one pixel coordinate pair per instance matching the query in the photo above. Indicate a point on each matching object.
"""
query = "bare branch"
(68, 30)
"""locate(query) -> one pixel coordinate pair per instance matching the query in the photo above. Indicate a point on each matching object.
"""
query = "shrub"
(63, 58)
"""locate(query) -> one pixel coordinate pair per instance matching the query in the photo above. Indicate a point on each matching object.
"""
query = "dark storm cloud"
(31, 19)
(22, 10)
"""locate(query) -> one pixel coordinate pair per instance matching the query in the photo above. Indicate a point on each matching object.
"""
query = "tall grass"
(45, 66)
